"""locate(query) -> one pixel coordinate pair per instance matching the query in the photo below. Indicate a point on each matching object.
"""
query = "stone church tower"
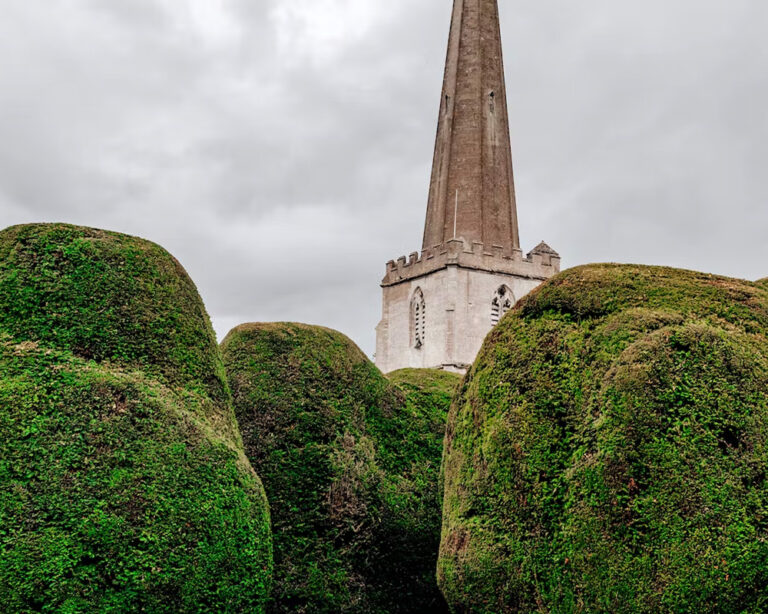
(440, 304)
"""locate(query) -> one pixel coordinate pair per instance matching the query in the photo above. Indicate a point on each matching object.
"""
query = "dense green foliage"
(607, 452)
(123, 483)
(350, 463)
(107, 297)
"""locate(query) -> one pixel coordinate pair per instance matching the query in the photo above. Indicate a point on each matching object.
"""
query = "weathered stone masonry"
(438, 305)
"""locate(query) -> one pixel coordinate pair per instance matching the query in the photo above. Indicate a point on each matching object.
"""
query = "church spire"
(439, 304)
(472, 192)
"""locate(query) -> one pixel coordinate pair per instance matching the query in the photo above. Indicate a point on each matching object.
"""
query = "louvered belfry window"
(418, 319)
(501, 303)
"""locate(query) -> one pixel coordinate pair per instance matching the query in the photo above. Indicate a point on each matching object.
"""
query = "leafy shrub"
(350, 464)
(607, 452)
(123, 483)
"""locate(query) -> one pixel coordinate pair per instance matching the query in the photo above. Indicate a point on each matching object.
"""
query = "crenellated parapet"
(438, 305)
(540, 264)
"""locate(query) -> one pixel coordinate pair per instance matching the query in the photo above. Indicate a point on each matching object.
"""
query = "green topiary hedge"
(608, 450)
(107, 297)
(350, 464)
(123, 483)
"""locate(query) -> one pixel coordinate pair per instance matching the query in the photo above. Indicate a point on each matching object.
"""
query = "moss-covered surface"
(427, 386)
(123, 483)
(350, 464)
(107, 297)
(607, 451)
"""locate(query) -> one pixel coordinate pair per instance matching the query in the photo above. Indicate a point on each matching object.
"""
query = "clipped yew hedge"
(123, 483)
(608, 450)
(350, 462)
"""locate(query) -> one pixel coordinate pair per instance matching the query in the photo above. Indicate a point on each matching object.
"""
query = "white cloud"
(320, 30)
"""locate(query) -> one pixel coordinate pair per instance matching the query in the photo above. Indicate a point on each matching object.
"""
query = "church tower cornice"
(439, 304)
(539, 264)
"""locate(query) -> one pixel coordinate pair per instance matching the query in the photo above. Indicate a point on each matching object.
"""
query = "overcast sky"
(281, 149)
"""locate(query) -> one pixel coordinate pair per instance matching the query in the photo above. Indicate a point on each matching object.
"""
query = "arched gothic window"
(502, 302)
(418, 319)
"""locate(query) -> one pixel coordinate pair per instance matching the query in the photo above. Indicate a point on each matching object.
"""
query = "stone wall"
(458, 313)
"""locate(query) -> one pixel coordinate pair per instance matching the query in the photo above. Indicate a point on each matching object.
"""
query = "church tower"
(439, 305)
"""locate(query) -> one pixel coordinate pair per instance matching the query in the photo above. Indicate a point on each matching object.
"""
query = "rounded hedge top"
(107, 297)
(597, 291)
(350, 465)
(123, 482)
(607, 451)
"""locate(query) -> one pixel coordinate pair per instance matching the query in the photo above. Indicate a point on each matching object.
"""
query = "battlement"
(541, 263)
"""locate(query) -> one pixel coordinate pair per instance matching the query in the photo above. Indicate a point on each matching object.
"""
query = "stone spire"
(472, 192)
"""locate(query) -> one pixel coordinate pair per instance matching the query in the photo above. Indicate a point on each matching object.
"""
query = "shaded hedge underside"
(350, 464)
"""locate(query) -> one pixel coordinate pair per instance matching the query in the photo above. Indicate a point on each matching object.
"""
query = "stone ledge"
(538, 264)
